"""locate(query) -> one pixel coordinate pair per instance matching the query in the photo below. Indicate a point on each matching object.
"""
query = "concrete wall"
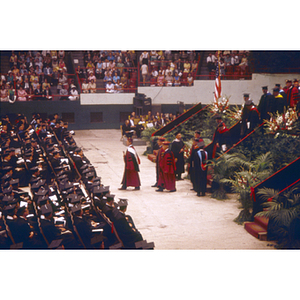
(203, 90)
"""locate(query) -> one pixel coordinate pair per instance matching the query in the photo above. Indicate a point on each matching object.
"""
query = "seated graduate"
(126, 229)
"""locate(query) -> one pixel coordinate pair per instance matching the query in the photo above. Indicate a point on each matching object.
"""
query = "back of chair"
(76, 231)
(8, 230)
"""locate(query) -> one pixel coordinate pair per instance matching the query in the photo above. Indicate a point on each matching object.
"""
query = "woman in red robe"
(132, 161)
(167, 168)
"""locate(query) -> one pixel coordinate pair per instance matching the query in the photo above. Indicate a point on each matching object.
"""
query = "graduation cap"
(7, 190)
(14, 181)
(161, 138)
(9, 207)
(101, 189)
(197, 132)
(85, 166)
(42, 200)
(56, 244)
(166, 143)
(246, 95)
(6, 177)
(109, 197)
(8, 199)
(288, 81)
(87, 170)
(276, 89)
(7, 168)
(38, 184)
(264, 87)
(74, 198)
(46, 209)
(89, 174)
(76, 208)
(62, 177)
(123, 202)
(67, 186)
(34, 179)
(34, 169)
(97, 179)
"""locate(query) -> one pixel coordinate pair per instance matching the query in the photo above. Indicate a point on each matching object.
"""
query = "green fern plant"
(282, 210)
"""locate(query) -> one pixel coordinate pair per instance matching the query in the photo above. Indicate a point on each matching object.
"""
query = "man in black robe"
(177, 147)
(200, 160)
(264, 105)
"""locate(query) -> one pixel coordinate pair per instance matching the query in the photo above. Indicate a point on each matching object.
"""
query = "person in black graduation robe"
(177, 147)
(191, 161)
(200, 160)
(125, 227)
(264, 105)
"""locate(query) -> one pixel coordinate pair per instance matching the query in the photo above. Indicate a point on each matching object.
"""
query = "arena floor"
(179, 220)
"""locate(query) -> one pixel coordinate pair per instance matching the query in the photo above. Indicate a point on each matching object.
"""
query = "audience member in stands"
(160, 79)
(169, 79)
(21, 94)
(74, 93)
(190, 80)
(3, 94)
(124, 81)
(109, 88)
(194, 68)
(118, 87)
(48, 73)
(10, 77)
(244, 63)
(47, 94)
(92, 86)
(186, 67)
(85, 86)
(144, 58)
(144, 72)
(64, 92)
(116, 77)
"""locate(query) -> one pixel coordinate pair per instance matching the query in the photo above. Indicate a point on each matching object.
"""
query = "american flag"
(217, 82)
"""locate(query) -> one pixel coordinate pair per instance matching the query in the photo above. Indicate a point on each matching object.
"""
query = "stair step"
(256, 230)
(262, 221)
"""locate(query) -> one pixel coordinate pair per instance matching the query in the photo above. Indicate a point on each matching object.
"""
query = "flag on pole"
(217, 81)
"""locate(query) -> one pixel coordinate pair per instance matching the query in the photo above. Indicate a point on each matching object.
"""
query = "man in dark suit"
(47, 94)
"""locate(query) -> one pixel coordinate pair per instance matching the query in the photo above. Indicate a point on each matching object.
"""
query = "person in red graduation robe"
(132, 161)
(167, 168)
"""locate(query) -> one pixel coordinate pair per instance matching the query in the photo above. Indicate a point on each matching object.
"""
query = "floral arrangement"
(284, 121)
(234, 113)
(220, 105)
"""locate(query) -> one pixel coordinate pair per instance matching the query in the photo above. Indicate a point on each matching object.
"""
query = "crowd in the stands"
(32, 75)
(119, 69)
(231, 64)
